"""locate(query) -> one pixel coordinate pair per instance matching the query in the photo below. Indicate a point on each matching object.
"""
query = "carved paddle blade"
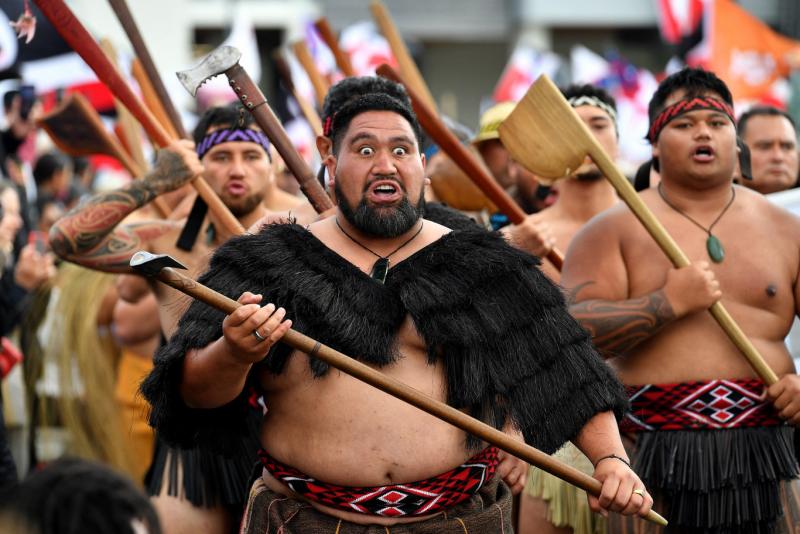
(544, 133)
(215, 63)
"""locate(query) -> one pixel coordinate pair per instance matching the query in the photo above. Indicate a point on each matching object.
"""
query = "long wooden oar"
(319, 82)
(163, 268)
(150, 97)
(79, 39)
(328, 35)
(545, 135)
(407, 66)
(450, 144)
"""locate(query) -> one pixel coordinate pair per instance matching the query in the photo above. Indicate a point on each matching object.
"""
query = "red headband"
(685, 106)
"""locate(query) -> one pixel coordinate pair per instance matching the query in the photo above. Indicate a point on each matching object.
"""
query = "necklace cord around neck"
(711, 227)
(406, 242)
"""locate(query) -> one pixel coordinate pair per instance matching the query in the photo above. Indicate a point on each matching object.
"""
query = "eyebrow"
(371, 137)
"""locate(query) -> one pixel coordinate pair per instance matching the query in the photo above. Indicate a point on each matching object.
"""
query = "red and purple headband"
(227, 135)
(685, 106)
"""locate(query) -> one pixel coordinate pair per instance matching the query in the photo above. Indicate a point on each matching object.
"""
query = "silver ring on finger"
(258, 336)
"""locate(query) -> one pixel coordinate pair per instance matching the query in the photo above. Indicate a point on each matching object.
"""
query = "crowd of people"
(132, 408)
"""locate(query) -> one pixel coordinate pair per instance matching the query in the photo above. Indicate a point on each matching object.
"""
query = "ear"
(323, 146)
(330, 164)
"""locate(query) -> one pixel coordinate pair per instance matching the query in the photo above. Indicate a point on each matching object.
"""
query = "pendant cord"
(706, 230)
(406, 242)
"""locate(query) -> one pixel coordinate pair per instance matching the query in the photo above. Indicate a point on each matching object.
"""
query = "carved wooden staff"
(328, 35)
(407, 66)
(450, 144)
(546, 135)
(319, 82)
(73, 32)
(150, 97)
(225, 60)
(163, 267)
(128, 23)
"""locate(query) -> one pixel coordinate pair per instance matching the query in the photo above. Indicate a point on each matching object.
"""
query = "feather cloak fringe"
(719, 481)
(509, 348)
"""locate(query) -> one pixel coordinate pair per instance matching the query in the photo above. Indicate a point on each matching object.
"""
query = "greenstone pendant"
(715, 250)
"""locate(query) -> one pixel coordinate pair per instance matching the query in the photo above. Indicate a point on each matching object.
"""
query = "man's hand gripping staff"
(619, 490)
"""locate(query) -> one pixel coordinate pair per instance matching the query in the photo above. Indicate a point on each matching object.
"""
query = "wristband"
(620, 458)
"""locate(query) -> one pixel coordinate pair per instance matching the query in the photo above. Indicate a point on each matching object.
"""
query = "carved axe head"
(215, 63)
(151, 264)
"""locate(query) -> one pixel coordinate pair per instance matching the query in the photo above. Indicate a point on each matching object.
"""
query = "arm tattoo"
(88, 234)
(619, 326)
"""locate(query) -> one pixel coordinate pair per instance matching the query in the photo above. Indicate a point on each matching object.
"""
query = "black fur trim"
(509, 348)
(449, 217)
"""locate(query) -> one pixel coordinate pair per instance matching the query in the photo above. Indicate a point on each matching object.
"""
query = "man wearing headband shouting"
(236, 163)
(711, 441)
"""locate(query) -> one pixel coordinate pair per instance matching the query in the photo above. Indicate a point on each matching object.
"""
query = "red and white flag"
(367, 48)
(678, 18)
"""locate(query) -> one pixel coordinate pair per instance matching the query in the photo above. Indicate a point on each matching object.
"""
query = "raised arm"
(91, 234)
(597, 277)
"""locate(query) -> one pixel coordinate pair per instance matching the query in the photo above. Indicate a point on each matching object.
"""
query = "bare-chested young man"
(548, 504)
(459, 315)
(715, 452)
(236, 164)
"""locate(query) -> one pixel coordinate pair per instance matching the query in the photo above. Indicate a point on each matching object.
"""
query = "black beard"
(381, 222)
(245, 206)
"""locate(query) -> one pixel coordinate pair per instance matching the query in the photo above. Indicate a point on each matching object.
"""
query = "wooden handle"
(150, 97)
(450, 144)
(319, 82)
(342, 59)
(255, 102)
(677, 257)
(407, 66)
(305, 107)
(401, 391)
(128, 23)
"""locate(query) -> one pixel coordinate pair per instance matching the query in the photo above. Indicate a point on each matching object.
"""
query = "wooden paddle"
(450, 144)
(319, 82)
(408, 68)
(544, 134)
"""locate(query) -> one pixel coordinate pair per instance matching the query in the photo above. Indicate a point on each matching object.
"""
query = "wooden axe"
(79, 39)
(545, 135)
(225, 60)
(450, 144)
(163, 268)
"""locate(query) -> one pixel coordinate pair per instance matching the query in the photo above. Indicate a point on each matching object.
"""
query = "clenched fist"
(692, 288)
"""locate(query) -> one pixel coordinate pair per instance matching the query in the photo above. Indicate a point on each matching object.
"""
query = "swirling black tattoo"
(619, 326)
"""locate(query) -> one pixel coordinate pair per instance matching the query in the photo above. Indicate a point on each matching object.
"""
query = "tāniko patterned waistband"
(716, 404)
(424, 497)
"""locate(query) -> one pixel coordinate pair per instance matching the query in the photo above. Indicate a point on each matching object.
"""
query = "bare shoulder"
(434, 231)
(766, 209)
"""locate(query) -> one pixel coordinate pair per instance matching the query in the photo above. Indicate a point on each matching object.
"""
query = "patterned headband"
(685, 106)
(226, 135)
(586, 100)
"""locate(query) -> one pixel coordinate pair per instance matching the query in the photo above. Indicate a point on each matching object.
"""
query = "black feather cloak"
(510, 351)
